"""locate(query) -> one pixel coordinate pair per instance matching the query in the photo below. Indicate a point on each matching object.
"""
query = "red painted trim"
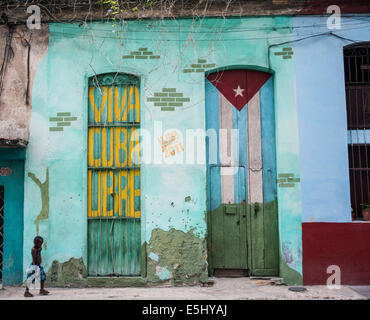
(248, 82)
(346, 6)
(346, 245)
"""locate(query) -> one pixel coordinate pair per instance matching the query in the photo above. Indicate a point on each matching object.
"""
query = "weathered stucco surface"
(71, 271)
(19, 72)
(173, 195)
(173, 201)
(177, 256)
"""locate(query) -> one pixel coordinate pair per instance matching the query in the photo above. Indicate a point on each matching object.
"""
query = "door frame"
(13, 202)
(250, 207)
(140, 75)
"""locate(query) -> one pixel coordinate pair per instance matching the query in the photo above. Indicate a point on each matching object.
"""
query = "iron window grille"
(357, 84)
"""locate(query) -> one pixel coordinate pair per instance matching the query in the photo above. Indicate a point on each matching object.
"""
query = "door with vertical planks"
(113, 176)
(241, 172)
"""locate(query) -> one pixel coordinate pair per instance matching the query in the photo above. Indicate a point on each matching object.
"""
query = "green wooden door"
(114, 227)
(228, 228)
(241, 172)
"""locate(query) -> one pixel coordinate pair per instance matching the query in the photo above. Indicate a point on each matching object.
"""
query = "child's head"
(38, 240)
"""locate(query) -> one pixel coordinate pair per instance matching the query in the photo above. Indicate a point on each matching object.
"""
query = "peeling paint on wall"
(163, 273)
(73, 273)
(183, 261)
(290, 276)
(60, 85)
(153, 256)
(170, 215)
(19, 74)
(67, 272)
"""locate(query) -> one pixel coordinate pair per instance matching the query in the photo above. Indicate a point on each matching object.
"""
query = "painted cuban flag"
(239, 109)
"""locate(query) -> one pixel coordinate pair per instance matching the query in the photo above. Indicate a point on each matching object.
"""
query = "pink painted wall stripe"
(226, 149)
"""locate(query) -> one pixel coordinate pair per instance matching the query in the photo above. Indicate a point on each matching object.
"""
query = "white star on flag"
(238, 91)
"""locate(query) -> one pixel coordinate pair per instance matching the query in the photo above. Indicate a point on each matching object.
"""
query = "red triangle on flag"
(238, 86)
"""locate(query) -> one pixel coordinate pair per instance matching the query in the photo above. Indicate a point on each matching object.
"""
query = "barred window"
(357, 82)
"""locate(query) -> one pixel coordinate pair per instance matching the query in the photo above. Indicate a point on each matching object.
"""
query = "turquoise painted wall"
(13, 215)
(60, 86)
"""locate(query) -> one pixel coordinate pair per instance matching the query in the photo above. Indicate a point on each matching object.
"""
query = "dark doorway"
(11, 217)
(1, 230)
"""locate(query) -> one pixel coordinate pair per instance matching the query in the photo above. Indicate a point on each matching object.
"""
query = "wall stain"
(184, 261)
(73, 273)
(67, 272)
(44, 189)
(289, 275)
(287, 255)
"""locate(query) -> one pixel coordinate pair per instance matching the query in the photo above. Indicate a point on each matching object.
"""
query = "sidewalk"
(223, 288)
